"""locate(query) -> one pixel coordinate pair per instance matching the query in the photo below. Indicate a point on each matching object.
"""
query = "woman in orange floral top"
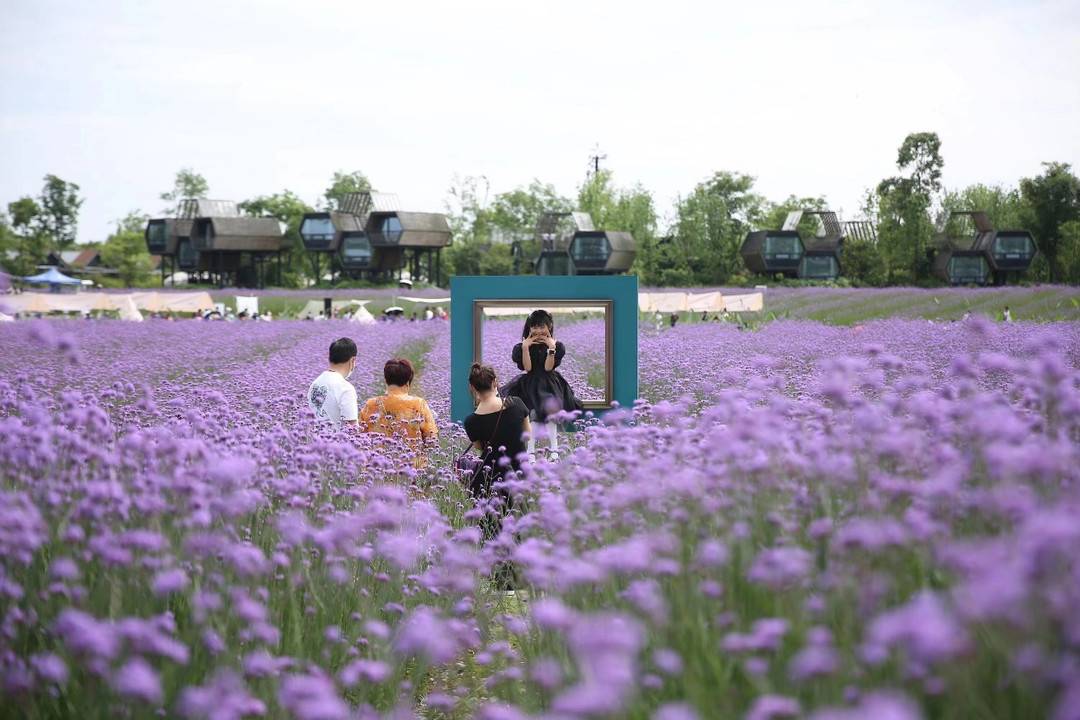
(398, 413)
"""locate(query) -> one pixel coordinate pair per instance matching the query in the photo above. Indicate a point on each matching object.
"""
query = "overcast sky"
(810, 98)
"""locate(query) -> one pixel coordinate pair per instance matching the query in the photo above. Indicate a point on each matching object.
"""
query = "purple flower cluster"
(800, 520)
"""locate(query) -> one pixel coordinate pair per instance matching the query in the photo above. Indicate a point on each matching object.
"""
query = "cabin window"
(783, 246)
(1012, 246)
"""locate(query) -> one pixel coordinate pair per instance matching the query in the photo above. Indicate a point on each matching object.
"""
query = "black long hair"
(538, 318)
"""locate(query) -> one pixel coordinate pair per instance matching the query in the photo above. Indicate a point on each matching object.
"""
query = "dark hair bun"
(481, 377)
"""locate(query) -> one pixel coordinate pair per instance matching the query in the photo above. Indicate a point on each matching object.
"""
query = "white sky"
(810, 98)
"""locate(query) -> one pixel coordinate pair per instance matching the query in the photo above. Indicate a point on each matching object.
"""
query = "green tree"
(520, 209)
(287, 207)
(776, 214)
(9, 248)
(861, 262)
(711, 224)
(187, 184)
(342, 184)
(514, 216)
(471, 223)
(1003, 206)
(24, 212)
(626, 210)
(1069, 255)
(904, 203)
(125, 251)
(1052, 200)
(58, 218)
(25, 246)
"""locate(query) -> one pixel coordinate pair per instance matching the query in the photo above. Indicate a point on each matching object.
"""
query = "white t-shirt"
(333, 398)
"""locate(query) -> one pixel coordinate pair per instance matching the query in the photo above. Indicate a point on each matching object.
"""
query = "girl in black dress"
(540, 386)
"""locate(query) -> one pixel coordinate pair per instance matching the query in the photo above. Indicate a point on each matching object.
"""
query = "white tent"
(314, 308)
(362, 315)
(250, 303)
(710, 301)
(188, 302)
(751, 302)
(173, 302)
(127, 309)
(425, 301)
(667, 302)
(29, 303)
(87, 302)
(705, 302)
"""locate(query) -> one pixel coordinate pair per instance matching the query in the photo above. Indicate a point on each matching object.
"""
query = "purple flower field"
(878, 521)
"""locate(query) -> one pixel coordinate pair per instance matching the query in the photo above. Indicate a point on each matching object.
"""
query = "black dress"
(544, 392)
(502, 432)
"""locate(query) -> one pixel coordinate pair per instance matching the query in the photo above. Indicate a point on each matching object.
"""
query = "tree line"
(698, 245)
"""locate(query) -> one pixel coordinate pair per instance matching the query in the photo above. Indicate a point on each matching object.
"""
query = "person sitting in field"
(399, 413)
(331, 395)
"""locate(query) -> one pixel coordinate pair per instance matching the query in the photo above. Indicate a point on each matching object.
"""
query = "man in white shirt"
(331, 396)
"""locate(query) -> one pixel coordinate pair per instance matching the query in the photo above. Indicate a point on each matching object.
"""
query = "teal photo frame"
(619, 293)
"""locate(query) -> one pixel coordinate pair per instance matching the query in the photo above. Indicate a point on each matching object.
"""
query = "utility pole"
(594, 160)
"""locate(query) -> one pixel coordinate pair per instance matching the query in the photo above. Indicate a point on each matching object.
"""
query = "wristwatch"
(551, 351)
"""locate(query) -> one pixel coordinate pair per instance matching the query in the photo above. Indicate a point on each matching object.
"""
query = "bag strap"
(494, 432)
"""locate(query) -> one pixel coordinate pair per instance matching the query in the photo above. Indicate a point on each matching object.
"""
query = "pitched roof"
(84, 258)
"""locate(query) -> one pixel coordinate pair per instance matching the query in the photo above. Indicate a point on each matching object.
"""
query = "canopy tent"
(314, 308)
(149, 301)
(87, 302)
(712, 301)
(191, 302)
(425, 301)
(705, 302)
(187, 302)
(29, 303)
(668, 302)
(52, 276)
(751, 302)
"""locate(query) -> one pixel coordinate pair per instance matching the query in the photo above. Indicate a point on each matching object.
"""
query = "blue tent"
(52, 276)
(55, 279)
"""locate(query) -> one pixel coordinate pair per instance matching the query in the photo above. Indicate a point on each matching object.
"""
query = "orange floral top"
(400, 414)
